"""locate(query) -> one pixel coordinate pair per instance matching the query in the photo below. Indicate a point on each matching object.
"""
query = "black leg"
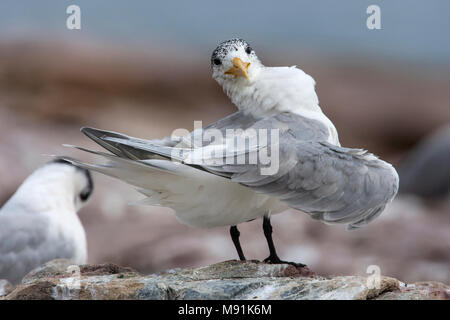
(273, 257)
(234, 232)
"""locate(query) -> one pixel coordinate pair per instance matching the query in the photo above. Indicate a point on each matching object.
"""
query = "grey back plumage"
(299, 127)
(25, 244)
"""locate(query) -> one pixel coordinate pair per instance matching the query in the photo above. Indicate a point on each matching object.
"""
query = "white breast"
(280, 89)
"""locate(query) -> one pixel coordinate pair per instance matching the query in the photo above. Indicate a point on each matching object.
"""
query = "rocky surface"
(59, 280)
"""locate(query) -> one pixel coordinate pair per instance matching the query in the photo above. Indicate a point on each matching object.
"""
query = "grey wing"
(332, 184)
(25, 245)
(124, 146)
(299, 127)
(107, 140)
(179, 148)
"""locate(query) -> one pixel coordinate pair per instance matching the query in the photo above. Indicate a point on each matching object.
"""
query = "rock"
(419, 291)
(52, 269)
(225, 280)
(63, 268)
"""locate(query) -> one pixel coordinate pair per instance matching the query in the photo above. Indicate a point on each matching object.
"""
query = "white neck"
(272, 90)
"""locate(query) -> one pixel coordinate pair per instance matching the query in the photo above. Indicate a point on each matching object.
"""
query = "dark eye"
(85, 194)
(217, 61)
(248, 50)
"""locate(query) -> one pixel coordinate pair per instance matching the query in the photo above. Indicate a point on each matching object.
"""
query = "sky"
(410, 29)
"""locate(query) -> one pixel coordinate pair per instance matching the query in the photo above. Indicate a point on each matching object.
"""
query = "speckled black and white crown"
(222, 49)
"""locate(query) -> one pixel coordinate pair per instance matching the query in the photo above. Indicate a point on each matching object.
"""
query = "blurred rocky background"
(143, 69)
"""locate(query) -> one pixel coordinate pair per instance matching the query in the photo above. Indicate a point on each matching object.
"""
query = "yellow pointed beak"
(239, 68)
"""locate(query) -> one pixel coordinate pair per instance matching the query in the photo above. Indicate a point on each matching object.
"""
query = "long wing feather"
(332, 183)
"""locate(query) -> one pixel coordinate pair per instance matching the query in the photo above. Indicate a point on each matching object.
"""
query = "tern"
(39, 222)
(207, 186)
